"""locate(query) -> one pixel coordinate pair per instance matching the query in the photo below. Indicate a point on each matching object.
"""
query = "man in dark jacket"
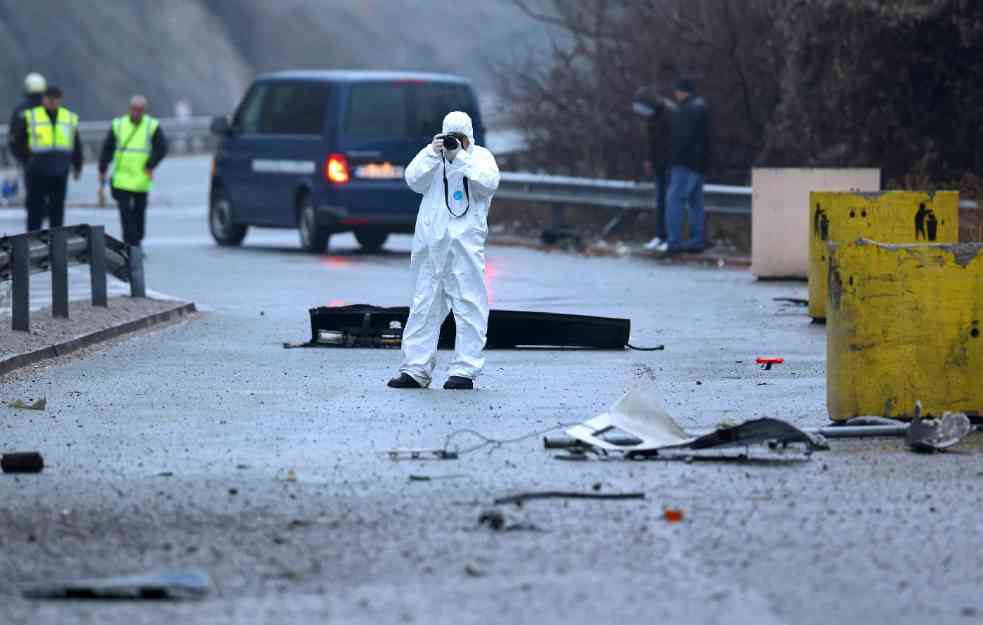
(45, 139)
(689, 156)
(135, 146)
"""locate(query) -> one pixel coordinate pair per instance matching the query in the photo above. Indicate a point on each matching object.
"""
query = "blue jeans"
(685, 189)
(661, 191)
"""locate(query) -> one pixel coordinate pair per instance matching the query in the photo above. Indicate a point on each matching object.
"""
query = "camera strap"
(467, 193)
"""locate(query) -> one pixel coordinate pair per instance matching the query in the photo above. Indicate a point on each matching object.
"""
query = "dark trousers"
(661, 176)
(132, 214)
(45, 199)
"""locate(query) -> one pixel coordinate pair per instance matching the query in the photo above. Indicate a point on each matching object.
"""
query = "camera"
(451, 141)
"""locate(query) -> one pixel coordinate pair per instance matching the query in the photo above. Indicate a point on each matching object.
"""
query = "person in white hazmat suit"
(448, 259)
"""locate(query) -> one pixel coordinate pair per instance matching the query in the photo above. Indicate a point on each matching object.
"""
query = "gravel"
(84, 319)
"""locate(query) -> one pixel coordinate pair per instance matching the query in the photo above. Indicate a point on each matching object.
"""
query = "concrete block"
(888, 217)
(905, 324)
(780, 214)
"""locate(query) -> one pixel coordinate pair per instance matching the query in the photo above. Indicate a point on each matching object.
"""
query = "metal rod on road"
(833, 431)
(21, 304)
(58, 251)
(97, 265)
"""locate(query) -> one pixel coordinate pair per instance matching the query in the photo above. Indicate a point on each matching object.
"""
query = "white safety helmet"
(34, 83)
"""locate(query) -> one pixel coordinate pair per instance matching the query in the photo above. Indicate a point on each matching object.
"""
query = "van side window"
(247, 116)
(433, 101)
(377, 110)
(389, 110)
(295, 109)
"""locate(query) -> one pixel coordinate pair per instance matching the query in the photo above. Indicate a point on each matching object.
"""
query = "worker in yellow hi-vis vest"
(134, 147)
(45, 139)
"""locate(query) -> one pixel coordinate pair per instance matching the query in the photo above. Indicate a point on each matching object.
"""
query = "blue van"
(324, 152)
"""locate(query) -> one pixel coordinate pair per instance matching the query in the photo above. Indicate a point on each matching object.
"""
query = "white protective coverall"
(448, 259)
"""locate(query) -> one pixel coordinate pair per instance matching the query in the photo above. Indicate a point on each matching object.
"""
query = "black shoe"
(403, 380)
(457, 383)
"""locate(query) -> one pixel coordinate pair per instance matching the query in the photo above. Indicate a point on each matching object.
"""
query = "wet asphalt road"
(178, 449)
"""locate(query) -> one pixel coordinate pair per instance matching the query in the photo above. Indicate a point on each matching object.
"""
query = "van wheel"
(371, 240)
(224, 230)
(313, 239)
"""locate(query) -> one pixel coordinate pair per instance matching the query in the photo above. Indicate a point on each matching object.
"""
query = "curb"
(61, 349)
(733, 262)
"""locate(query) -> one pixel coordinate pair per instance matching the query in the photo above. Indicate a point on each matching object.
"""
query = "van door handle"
(365, 153)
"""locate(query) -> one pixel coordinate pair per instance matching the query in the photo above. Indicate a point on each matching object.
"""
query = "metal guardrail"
(623, 194)
(186, 135)
(54, 250)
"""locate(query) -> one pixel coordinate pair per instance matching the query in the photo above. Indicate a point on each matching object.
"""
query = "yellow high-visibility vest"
(44, 136)
(133, 146)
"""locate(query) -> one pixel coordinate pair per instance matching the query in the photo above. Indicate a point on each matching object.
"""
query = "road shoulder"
(87, 326)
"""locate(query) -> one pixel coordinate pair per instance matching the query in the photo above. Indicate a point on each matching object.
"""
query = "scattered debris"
(421, 454)
(577, 453)
(166, 474)
(521, 498)
(22, 462)
(767, 362)
(472, 571)
(433, 478)
(640, 416)
(798, 301)
(929, 435)
(639, 426)
(18, 404)
(672, 515)
(493, 519)
(291, 476)
(174, 585)
(656, 348)
(561, 237)
(372, 326)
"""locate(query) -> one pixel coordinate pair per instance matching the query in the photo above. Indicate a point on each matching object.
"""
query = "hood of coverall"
(458, 121)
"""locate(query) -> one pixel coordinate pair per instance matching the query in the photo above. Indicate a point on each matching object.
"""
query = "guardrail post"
(135, 259)
(58, 252)
(21, 288)
(97, 265)
(558, 216)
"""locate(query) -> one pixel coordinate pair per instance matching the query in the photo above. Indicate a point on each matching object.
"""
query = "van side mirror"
(220, 126)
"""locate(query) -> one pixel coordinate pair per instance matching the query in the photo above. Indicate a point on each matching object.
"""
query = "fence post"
(97, 265)
(135, 260)
(58, 252)
(21, 288)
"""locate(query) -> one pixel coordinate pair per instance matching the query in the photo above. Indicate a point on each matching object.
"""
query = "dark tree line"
(891, 83)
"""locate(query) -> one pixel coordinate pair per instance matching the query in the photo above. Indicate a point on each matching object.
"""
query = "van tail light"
(336, 169)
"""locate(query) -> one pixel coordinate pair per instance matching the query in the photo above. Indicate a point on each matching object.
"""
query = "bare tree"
(892, 83)
(575, 107)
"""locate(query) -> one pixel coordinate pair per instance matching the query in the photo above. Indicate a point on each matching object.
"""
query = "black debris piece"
(521, 498)
(172, 585)
(22, 462)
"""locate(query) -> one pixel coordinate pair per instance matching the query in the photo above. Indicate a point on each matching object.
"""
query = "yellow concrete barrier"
(891, 217)
(904, 324)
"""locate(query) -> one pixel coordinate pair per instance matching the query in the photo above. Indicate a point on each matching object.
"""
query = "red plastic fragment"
(767, 361)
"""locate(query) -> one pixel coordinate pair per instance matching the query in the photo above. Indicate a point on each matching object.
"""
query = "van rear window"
(398, 110)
